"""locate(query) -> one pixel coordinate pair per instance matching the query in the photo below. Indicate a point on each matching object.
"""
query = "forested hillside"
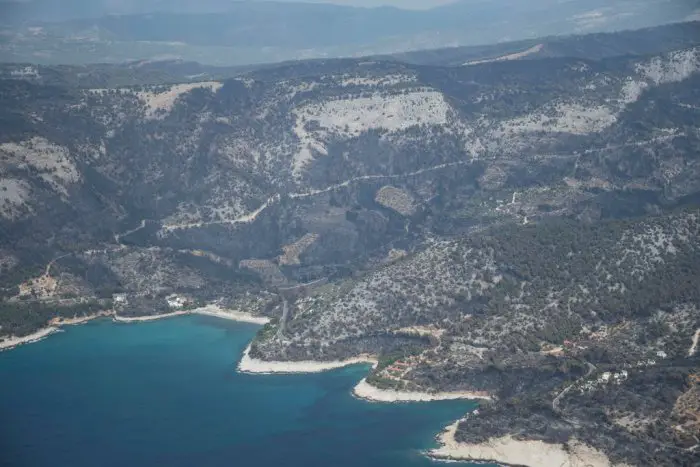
(520, 227)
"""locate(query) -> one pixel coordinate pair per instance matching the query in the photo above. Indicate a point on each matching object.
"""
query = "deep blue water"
(166, 393)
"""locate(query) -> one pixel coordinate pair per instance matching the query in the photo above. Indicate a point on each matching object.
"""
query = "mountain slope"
(518, 227)
(206, 164)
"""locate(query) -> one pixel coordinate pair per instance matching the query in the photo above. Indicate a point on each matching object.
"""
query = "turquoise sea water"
(166, 393)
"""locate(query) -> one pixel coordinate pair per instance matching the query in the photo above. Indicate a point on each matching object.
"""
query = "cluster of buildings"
(174, 301)
(607, 377)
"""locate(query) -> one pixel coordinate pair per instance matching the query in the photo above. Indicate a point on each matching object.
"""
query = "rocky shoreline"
(10, 342)
(252, 365)
(507, 450)
(366, 391)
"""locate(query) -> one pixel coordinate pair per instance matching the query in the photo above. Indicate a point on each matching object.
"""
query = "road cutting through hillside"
(250, 217)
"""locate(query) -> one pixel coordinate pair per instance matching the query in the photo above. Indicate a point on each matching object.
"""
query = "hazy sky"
(413, 4)
(57, 10)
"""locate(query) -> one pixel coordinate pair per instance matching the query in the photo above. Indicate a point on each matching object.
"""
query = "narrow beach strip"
(137, 319)
(207, 310)
(241, 316)
(13, 341)
(366, 391)
(362, 390)
(9, 342)
(249, 364)
(507, 450)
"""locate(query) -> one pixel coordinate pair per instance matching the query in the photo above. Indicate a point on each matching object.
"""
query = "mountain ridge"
(287, 31)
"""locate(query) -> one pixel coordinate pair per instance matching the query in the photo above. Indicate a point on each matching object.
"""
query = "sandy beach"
(136, 319)
(253, 365)
(507, 450)
(242, 316)
(12, 341)
(366, 391)
(208, 310)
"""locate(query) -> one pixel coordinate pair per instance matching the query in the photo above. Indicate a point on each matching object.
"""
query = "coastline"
(77, 320)
(507, 450)
(139, 319)
(247, 364)
(234, 315)
(207, 310)
(364, 390)
(55, 324)
(11, 342)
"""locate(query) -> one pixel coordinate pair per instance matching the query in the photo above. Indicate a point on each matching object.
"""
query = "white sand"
(242, 316)
(506, 450)
(253, 365)
(209, 310)
(12, 341)
(136, 319)
(366, 391)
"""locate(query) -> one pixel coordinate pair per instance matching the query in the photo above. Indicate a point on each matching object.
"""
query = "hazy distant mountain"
(61, 10)
(233, 33)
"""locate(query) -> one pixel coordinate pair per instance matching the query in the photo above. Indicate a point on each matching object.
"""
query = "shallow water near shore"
(166, 393)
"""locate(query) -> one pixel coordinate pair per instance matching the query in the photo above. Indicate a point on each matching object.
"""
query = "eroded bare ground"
(503, 58)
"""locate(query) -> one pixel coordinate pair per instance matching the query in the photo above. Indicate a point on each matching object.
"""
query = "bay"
(166, 393)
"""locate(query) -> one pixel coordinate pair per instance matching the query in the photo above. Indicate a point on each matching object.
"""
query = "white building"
(177, 302)
(119, 298)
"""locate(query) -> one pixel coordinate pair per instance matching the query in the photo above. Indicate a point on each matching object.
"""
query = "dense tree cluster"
(20, 319)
